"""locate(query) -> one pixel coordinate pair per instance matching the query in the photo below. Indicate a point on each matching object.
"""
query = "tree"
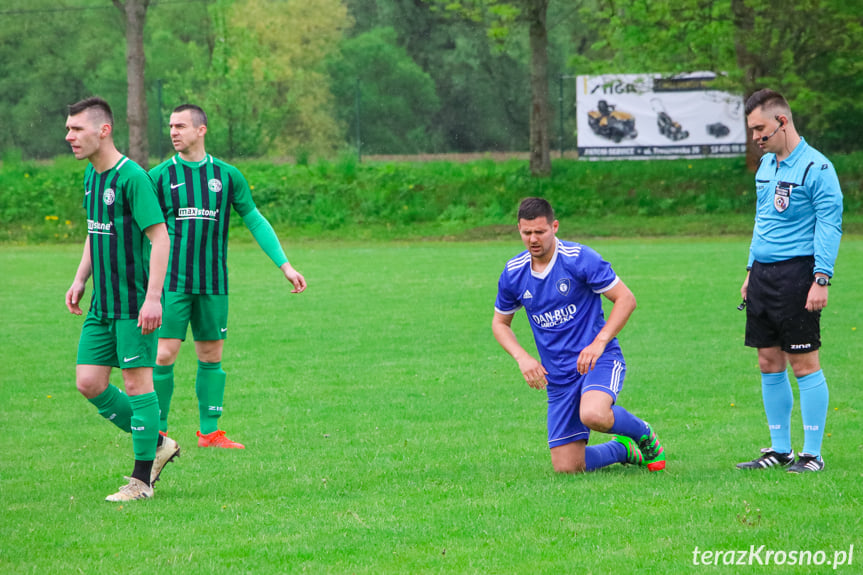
(135, 12)
(500, 16)
(398, 97)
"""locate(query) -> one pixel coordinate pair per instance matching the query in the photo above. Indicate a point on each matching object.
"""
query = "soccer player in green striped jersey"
(197, 192)
(123, 218)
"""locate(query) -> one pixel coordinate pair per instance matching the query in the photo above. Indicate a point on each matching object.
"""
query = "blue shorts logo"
(563, 286)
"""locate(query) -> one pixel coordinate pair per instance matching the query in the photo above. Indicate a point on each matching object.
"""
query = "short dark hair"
(199, 117)
(93, 103)
(532, 208)
(768, 100)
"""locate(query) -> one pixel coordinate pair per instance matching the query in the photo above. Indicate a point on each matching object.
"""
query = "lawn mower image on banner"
(611, 124)
(667, 127)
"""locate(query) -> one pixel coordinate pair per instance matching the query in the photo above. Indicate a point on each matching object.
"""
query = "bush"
(42, 201)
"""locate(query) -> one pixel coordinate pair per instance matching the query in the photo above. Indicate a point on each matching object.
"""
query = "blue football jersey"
(563, 303)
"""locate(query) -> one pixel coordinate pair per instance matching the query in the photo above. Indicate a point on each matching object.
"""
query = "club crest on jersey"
(108, 197)
(563, 286)
(215, 186)
(782, 196)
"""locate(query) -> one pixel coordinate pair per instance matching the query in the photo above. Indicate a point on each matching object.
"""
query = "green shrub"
(41, 202)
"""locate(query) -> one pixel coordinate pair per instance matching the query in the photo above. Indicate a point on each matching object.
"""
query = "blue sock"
(778, 401)
(603, 455)
(814, 398)
(627, 424)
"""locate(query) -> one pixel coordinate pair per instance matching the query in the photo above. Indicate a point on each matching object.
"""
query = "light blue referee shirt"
(799, 209)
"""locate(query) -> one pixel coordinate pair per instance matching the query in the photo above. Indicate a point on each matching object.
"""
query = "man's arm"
(266, 237)
(79, 284)
(150, 315)
(532, 370)
(624, 304)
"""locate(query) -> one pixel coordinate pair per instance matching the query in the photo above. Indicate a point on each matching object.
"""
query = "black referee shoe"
(806, 463)
(769, 458)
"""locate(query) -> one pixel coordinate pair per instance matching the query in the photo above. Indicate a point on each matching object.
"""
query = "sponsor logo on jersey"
(108, 196)
(527, 294)
(175, 186)
(554, 318)
(215, 186)
(197, 214)
(100, 228)
(562, 286)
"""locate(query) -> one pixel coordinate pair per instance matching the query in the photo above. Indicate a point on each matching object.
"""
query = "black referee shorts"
(776, 314)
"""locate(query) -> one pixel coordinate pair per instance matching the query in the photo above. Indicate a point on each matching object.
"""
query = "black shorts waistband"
(792, 261)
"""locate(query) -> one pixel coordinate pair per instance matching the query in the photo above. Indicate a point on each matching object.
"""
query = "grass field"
(387, 432)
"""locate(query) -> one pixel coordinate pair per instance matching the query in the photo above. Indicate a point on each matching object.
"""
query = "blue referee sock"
(778, 401)
(814, 398)
(627, 424)
(603, 455)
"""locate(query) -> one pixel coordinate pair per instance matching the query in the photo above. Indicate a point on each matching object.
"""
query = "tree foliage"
(397, 98)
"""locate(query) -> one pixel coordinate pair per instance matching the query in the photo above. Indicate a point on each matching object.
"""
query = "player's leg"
(138, 356)
(163, 377)
(567, 435)
(600, 412)
(97, 354)
(569, 457)
(814, 399)
(209, 327)
(175, 324)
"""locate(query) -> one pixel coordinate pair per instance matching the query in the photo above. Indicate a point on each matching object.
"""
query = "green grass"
(387, 432)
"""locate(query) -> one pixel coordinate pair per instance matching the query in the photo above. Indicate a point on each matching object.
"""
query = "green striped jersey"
(120, 204)
(196, 199)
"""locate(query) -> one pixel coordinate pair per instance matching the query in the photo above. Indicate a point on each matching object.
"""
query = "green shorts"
(208, 315)
(116, 343)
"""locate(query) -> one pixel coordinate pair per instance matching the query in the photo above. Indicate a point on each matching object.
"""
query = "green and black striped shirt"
(196, 199)
(120, 204)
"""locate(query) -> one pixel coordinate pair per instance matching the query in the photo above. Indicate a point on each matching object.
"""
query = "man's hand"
(588, 356)
(533, 371)
(150, 316)
(295, 277)
(817, 298)
(73, 297)
(745, 287)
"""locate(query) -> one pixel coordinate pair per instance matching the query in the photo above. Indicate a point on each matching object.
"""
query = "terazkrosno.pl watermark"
(761, 555)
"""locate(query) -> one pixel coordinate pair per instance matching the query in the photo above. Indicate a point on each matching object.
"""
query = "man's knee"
(597, 419)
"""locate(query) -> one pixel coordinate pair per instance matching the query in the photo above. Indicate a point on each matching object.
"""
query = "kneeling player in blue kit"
(559, 284)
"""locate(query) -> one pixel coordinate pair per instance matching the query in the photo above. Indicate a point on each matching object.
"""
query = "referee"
(798, 224)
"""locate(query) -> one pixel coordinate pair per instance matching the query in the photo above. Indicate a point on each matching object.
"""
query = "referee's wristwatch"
(822, 281)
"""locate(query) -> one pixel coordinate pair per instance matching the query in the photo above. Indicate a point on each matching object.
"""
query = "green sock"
(145, 425)
(210, 387)
(114, 406)
(163, 383)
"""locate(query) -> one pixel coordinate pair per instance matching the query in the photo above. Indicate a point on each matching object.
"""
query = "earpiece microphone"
(773, 133)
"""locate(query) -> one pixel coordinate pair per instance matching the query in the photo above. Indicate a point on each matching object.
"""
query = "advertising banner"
(645, 116)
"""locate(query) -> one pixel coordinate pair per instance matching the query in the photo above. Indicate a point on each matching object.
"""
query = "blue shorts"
(564, 399)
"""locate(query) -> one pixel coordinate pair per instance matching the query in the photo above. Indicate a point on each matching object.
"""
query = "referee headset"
(779, 127)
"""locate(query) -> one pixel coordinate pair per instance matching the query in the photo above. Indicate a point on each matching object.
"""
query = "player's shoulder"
(517, 263)
(156, 171)
(131, 171)
(570, 249)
